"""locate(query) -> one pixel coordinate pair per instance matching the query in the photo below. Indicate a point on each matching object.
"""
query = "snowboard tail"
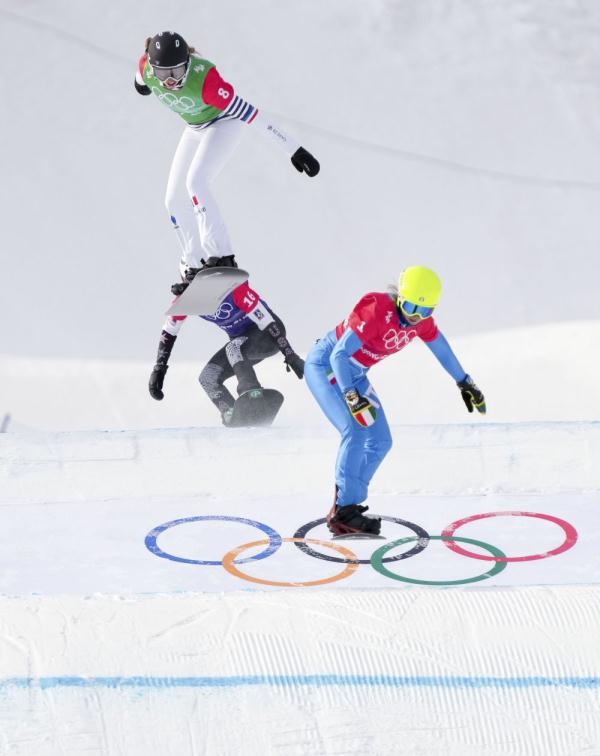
(206, 292)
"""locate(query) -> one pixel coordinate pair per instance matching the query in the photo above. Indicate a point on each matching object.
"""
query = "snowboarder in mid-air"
(215, 117)
(336, 373)
(255, 332)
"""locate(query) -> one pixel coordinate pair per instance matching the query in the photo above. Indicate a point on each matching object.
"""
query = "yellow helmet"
(420, 286)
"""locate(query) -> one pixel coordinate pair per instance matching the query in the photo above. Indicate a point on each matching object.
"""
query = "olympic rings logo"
(182, 105)
(378, 559)
(395, 340)
(223, 312)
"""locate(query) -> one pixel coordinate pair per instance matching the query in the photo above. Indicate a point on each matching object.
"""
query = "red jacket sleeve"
(216, 91)
(141, 66)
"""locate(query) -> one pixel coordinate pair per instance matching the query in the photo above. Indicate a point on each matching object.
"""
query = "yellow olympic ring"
(229, 558)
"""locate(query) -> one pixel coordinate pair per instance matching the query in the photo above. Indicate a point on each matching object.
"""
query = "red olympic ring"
(569, 542)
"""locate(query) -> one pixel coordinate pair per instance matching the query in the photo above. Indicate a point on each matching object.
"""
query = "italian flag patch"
(365, 416)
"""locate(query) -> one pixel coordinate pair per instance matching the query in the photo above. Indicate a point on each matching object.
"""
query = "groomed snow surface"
(122, 632)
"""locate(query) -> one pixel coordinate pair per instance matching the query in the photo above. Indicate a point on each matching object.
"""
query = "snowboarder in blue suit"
(336, 373)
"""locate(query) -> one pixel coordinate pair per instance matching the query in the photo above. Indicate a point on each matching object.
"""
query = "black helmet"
(168, 49)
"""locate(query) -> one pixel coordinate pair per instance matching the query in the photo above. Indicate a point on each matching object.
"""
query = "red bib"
(374, 320)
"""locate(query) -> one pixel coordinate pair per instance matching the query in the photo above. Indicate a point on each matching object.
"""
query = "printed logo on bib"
(224, 311)
(183, 105)
(395, 340)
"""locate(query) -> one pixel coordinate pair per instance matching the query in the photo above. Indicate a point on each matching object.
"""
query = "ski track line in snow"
(444, 163)
(296, 681)
(356, 673)
(499, 670)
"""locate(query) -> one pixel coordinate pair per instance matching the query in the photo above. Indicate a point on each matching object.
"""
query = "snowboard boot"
(246, 377)
(350, 520)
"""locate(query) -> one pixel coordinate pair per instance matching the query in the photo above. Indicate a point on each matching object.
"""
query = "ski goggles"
(410, 309)
(166, 73)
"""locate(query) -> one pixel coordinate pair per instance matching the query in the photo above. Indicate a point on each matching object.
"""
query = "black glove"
(294, 362)
(189, 274)
(471, 395)
(291, 359)
(188, 277)
(302, 160)
(165, 347)
(179, 288)
(156, 381)
(357, 404)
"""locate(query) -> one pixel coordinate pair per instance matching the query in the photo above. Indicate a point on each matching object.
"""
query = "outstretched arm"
(250, 303)
(471, 394)
(301, 158)
(168, 337)
(221, 94)
(359, 406)
(347, 344)
(446, 357)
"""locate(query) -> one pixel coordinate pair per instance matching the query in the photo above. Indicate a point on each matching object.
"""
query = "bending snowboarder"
(255, 332)
(336, 373)
(215, 116)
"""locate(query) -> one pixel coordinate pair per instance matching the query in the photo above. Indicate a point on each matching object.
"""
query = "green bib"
(187, 101)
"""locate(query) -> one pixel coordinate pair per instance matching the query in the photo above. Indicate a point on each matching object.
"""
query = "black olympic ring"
(421, 533)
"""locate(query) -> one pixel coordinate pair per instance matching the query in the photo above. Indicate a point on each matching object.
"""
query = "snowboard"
(206, 292)
(255, 408)
(358, 537)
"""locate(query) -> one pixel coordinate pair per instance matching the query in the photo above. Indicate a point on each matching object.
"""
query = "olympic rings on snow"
(350, 560)
(570, 536)
(150, 540)
(499, 556)
(422, 540)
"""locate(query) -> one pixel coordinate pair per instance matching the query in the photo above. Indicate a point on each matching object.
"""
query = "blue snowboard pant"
(361, 449)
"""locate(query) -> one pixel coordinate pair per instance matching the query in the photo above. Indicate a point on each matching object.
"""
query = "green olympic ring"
(378, 566)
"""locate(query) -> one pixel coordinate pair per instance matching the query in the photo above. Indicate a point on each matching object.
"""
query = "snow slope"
(346, 672)
(114, 648)
(463, 135)
(549, 372)
(154, 504)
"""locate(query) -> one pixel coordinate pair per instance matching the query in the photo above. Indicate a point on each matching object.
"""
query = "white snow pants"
(199, 158)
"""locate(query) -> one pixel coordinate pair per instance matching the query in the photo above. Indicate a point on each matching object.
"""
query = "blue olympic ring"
(151, 545)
